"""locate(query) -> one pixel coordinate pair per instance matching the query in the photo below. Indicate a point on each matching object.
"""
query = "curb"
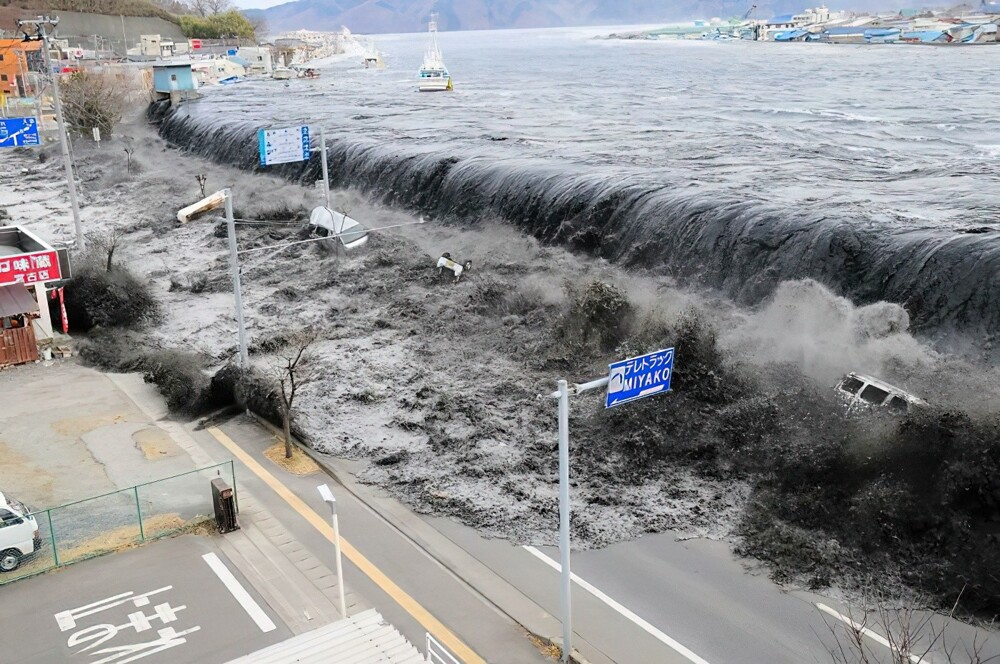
(337, 475)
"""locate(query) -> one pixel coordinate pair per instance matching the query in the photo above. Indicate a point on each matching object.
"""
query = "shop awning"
(15, 299)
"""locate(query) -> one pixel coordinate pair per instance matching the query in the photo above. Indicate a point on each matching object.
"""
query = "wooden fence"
(17, 346)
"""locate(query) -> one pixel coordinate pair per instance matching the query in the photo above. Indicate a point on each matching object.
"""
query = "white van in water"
(861, 390)
(19, 536)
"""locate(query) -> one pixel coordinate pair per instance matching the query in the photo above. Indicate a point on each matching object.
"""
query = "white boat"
(282, 74)
(434, 76)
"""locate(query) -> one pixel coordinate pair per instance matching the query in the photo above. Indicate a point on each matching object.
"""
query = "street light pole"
(40, 24)
(234, 266)
(331, 500)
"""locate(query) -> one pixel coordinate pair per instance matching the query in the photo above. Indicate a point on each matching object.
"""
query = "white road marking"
(874, 636)
(653, 631)
(239, 593)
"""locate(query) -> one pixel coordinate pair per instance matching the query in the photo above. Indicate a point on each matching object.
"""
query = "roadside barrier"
(122, 519)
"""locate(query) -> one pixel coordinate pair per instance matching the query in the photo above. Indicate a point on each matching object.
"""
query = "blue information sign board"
(281, 146)
(18, 132)
(639, 377)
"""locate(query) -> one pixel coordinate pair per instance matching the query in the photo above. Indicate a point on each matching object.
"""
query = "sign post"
(627, 380)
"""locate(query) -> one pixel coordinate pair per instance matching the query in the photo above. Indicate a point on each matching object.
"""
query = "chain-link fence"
(121, 519)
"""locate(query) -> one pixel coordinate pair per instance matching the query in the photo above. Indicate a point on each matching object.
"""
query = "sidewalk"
(300, 589)
(413, 589)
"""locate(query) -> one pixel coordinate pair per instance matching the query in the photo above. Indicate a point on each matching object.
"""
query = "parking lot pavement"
(177, 600)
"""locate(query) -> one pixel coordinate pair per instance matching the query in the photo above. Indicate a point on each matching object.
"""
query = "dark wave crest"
(947, 280)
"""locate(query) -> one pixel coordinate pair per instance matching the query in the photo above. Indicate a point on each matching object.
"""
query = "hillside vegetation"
(201, 19)
(109, 7)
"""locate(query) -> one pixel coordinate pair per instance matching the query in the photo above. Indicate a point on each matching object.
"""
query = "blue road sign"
(639, 377)
(281, 146)
(18, 132)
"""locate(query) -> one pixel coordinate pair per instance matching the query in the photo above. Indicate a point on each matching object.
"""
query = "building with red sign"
(29, 267)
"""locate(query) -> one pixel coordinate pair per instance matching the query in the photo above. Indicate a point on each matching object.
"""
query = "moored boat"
(434, 76)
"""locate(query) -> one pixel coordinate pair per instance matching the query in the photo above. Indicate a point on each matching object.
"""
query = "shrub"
(178, 375)
(250, 390)
(96, 297)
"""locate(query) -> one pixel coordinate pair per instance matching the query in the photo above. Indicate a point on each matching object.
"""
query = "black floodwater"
(873, 169)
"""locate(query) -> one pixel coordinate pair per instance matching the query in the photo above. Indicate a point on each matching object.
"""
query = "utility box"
(225, 506)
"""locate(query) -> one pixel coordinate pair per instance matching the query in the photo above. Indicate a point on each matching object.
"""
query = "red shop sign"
(33, 268)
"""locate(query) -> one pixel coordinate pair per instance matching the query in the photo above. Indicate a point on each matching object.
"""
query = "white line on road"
(655, 633)
(874, 636)
(239, 593)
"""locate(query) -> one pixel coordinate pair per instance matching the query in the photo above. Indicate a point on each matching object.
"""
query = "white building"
(258, 59)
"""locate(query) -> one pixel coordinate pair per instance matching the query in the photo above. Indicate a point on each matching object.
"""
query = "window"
(897, 404)
(173, 77)
(3, 77)
(851, 385)
(874, 395)
(1, 57)
(8, 518)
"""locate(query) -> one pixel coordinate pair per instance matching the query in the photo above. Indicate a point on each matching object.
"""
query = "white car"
(860, 390)
(327, 222)
(19, 538)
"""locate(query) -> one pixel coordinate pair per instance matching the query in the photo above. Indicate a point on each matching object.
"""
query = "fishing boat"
(434, 76)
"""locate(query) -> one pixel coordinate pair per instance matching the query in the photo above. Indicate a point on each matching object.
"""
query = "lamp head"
(327, 495)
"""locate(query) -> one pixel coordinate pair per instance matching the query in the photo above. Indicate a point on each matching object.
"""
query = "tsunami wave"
(947, 280)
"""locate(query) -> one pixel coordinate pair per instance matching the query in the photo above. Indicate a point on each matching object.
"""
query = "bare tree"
(209, 7)
(106, 242)
(878, 630)
(129, 149)
(96, 99)
(292, 373)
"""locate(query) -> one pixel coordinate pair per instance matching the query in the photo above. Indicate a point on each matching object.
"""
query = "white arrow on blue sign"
(19, 132)
(639, 377)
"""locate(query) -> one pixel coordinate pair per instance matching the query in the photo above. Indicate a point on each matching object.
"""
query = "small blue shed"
(172, 77)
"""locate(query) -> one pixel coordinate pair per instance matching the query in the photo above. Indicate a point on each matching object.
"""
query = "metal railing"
(121, 519)
(437, 653)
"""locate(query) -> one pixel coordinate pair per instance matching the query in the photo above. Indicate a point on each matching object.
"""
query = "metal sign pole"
(562, 394)
(326, 172)
(564, 590)
(234, 266)
(626, 381)
(63, 140)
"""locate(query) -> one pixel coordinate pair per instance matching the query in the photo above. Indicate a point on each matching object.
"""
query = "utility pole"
(234, 265)
(42, 36)
(326, 171)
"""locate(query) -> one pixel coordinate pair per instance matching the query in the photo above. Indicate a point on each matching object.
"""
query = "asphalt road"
(161, 603)
(695, 594)
(492, 635)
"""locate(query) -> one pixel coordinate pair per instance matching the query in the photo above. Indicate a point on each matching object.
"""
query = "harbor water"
(733, 166)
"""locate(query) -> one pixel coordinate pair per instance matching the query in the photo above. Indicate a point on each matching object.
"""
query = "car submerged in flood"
(861, 391)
